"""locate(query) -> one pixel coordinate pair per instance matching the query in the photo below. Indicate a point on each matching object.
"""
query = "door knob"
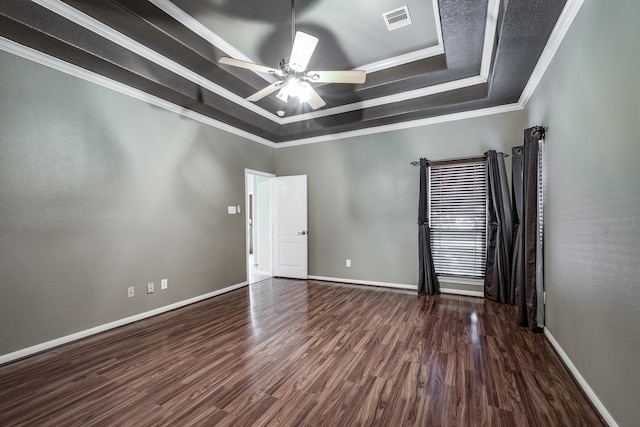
(302, 233)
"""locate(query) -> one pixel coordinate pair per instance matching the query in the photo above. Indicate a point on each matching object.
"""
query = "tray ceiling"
(455, 57)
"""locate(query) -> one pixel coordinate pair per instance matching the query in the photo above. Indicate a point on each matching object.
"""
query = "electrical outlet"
(164, 284)
(149, 288)
(348, 263)
(131, 292)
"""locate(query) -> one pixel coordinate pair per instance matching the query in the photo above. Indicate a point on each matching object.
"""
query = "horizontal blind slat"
(457, 218)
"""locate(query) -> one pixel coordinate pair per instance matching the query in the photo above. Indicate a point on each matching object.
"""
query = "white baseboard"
(395, 285)
(365, 282)
(88, 332)
(462, 292)
(591, 395)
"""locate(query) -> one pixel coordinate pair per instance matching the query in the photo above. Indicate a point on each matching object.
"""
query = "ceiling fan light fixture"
(295, 88)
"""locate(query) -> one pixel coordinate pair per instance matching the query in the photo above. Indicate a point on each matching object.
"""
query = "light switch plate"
(231, 210)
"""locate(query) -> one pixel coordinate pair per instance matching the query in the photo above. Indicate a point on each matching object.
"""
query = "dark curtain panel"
(516, 214)
(528, 295)
(427, 281)
(497, 278)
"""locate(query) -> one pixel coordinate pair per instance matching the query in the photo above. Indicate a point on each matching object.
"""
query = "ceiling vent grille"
(397, 18)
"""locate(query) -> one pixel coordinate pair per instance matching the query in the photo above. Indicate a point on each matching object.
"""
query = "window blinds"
(458, 218)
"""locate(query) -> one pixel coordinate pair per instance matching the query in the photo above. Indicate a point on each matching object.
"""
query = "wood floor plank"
(303, 353)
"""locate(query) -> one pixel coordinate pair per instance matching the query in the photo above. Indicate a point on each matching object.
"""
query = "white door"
(289, 216)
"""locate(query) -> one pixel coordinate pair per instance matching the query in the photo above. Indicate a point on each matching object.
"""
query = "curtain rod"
(414, 163)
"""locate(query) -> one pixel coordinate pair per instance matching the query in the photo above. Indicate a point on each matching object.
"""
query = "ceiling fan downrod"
(293, 22)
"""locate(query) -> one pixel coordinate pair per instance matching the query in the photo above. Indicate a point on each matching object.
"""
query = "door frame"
(247, 175)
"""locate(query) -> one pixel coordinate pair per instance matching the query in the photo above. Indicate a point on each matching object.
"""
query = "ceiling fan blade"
(351, 76)
(303, 47)
(248, 65)
(264, 92)
(314, 101)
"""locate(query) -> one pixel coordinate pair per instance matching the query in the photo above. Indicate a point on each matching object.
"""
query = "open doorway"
(258, 225)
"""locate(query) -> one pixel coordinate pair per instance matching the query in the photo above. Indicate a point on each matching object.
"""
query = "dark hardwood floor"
(288, 352)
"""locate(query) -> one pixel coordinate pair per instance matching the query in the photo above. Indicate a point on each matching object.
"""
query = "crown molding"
(491, 28)
(194, 25)
(52, 62)
(389, 99)
(81, 73)
(569, 13)
(493, 7)
(416, 55)
(84, 20)
(103, 30)
(197, 27)
(566, 19)
(405, 125)
(436, 16)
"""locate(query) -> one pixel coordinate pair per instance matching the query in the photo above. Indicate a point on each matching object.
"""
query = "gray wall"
(363, 194)
(589, 100)
(98, 192)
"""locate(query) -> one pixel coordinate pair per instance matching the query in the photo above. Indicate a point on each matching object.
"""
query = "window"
(458, 217)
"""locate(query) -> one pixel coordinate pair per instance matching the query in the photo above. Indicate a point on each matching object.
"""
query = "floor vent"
(397, 18)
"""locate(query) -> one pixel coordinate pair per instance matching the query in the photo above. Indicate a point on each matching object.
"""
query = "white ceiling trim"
(565, 20)
(190, 22)
(436, 14)
(389, 99)
(405, 125)
(62, 9)
(128, 43)
(491, 28)
(84, 74)
(493, 7)
(194, 25)
(403, 59)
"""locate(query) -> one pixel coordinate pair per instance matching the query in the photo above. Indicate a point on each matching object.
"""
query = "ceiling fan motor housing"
(290, 73)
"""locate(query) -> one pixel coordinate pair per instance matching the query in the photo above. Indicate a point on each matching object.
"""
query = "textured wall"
(98, 192)
(589, 100)
(363, 194)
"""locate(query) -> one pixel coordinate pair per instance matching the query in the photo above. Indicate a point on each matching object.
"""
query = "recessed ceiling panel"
(479, 54)
(352, 33)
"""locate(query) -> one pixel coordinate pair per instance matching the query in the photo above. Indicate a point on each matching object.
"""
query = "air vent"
(397, 18)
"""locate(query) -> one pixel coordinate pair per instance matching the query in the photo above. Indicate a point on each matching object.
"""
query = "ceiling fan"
(293, 77)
